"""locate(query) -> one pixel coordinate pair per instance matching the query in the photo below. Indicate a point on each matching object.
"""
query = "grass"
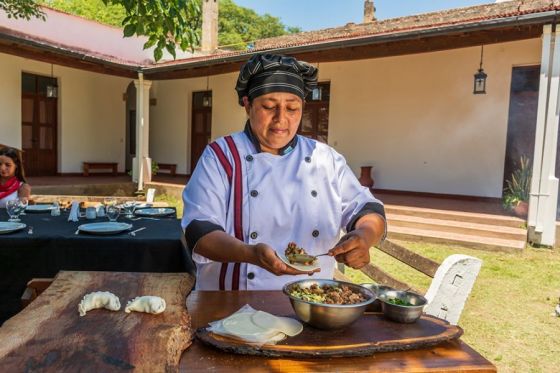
(172, 202)
(509, 316)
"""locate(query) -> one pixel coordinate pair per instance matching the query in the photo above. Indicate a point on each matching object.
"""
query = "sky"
(319, 14)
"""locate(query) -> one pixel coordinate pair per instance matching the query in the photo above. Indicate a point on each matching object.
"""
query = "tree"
(21, 9)
(166, 23)
(239, 26)
(91, 9)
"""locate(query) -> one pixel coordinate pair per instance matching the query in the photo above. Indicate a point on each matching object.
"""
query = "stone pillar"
(451, 286)
(544, 183)
(209, 41)
(369, 11)
(142, 172)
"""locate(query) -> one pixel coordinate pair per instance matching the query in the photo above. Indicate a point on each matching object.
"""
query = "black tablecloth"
(54, 246)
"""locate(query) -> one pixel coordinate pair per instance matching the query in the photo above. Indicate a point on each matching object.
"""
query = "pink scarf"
(12, 185)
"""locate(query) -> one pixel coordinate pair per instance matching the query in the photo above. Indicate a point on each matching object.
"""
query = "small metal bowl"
(328, 316)
(377, 289)
(402, 313)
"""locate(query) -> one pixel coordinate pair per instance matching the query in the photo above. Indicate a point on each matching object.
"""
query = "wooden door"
(315, 119)
(201, 124)
(38, 125)
(522, 119)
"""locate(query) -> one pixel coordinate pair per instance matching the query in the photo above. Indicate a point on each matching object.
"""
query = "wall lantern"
(480, 77)
(52, 89)
(317, 94)
(207, 101)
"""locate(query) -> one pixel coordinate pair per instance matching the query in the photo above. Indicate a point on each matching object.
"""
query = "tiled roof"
(459, 16)
(77, 35)
(422, 22)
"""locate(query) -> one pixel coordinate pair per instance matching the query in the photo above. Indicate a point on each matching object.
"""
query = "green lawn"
(172, 201)
(508, 317)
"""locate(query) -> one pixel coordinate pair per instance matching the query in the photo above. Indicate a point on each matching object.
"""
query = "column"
(544, 183)
(142, 171)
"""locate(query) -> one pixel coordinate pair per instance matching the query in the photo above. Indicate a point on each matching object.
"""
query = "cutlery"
(304, 258)
(133, 233)
(77, 231)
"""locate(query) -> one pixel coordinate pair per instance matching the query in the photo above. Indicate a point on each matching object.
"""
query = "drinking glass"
(112, 212)
(13, 208)
(128, 207)
(108, 201)
(24, 202)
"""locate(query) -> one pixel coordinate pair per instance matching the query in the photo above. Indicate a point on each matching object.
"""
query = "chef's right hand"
(265, 257)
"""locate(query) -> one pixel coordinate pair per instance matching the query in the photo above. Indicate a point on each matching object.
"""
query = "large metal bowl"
(328, 316)
(402, 313)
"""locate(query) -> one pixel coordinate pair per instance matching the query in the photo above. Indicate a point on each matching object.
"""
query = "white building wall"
(91, 112)
(415, 118)
(170, 119)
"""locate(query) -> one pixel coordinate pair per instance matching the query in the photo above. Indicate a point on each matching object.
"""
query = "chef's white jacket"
(305, 196)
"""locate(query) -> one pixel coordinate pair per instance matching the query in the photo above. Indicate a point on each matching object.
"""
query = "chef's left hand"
(353, 247)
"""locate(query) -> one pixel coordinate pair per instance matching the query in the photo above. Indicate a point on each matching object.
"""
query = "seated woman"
(12, 177)
(254, 192)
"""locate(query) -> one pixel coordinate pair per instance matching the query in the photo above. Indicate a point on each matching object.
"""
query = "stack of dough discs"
(260, 327)
(240, 325)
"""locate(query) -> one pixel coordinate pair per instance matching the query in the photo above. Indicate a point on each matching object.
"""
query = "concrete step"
(461, 227)
(466, 240)
(470, 217)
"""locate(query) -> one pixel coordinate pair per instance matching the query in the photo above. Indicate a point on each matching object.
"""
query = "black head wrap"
(266, 73)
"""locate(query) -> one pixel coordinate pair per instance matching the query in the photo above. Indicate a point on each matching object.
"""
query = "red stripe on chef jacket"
(227, 167)
(237, 205)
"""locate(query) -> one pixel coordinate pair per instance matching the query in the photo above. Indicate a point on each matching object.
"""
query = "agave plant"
(517, 189)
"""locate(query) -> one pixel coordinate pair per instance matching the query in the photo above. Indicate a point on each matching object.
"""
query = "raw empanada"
(99, 299)
(146, 303)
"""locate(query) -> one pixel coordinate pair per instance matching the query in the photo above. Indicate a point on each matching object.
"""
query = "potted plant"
(516, 192)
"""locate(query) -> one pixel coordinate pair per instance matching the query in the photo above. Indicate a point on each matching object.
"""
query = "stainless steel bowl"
(377, 289)
(402, 313)
(328, 316)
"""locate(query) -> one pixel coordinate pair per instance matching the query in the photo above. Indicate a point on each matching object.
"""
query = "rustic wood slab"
(50, 336)
(369, 334)
(206, 306)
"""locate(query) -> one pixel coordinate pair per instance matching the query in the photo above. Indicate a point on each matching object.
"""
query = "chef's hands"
(264, 256)
(353, 247)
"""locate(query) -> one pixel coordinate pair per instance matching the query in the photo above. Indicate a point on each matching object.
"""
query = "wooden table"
(205, 306)
(50, 336)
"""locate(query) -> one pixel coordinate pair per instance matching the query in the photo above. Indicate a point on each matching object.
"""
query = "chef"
(257, 190)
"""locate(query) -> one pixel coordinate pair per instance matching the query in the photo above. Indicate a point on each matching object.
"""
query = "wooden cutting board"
(370, 334)
(50, 336)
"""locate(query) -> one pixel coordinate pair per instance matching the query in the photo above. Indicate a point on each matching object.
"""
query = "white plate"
(299, 267)
(155, 211)
(104, 228)
(9, 226)
(39, 208)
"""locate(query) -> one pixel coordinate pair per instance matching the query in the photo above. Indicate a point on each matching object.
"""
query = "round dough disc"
(298, 266)
(242, 325)
(285, 325)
